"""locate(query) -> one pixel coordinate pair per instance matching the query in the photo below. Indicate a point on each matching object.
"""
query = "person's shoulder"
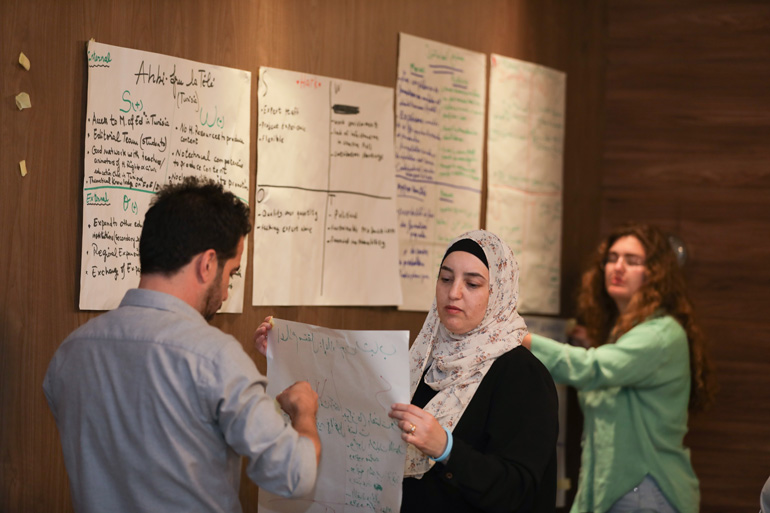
(519, 369)
(518, 354)
(667, 322)
(203, 338)
(167, 328)
(92, 328)
(520, 359)
(212, 351)
(663, 326)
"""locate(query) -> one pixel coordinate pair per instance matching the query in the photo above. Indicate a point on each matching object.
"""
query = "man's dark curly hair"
(189, 218)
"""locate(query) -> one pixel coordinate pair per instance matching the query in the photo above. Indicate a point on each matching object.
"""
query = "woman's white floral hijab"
(458, 363)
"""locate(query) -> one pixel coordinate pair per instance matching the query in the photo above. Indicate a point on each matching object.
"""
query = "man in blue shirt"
(155, 407)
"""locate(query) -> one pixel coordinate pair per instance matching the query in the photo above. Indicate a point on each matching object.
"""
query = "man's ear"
(206, 266)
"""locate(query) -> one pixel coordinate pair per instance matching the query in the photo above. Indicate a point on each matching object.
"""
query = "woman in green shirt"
(643, 369)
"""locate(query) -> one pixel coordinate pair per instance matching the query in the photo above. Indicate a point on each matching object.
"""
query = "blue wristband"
(445, 454)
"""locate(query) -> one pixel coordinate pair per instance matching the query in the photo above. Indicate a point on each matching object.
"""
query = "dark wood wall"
(687, 146)
(40, 214)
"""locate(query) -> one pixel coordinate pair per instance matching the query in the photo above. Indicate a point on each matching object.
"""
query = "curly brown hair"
(663, 290)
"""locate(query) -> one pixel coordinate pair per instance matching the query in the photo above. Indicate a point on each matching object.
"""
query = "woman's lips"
(452, 309)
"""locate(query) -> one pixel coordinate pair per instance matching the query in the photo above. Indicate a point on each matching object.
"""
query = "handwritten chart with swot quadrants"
(525, 149)
(152, 119)
(357, 376)
(440, 99)
(325, 213)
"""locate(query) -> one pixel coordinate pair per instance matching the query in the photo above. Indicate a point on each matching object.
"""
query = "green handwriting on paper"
(128, 203)
(130, 104)
(214, 120)
(96, 58)
(93, 198)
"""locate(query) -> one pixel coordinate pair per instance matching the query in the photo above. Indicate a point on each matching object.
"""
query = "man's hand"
(300, 402)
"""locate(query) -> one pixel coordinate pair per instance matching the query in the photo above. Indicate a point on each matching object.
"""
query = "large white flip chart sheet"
(153, 119)
(357, 375)
(524, 163)
(325, 213)
(440, 98)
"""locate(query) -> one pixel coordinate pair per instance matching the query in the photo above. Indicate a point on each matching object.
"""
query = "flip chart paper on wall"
(152, 119)
(357, 375)
(525, 143)
(440, 98)
(325, 214)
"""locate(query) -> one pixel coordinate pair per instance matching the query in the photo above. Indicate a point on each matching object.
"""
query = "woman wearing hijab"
(483, 421)
(636, 383)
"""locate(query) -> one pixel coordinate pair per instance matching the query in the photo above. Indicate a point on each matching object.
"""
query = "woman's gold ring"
(411, 431)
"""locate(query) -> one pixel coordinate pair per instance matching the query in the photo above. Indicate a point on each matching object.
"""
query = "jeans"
(646, 497)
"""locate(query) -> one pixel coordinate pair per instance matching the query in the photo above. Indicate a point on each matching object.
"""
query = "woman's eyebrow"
(467, 275)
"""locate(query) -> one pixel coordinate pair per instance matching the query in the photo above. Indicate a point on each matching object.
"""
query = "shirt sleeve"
(521, 428)
(641, 357)
(278, 458)
(48, 387)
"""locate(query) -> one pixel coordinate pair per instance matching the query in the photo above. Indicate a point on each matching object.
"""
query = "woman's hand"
(578, 336)
(260, 336)
(419, 428)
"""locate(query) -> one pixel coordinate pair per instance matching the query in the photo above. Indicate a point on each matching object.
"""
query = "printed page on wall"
(325, 212)
(152, 120)
(440, 100)
(525, 144)
(357, 376)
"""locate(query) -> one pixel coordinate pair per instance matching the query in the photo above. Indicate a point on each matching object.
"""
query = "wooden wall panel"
(40, 214)
(686, 147)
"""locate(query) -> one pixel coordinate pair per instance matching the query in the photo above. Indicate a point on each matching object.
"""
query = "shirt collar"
(145, 298)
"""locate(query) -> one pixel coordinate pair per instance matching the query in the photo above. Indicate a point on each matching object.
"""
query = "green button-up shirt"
(634, 396)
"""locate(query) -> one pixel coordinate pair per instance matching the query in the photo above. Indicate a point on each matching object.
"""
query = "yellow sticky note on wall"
(23, 101)
(24, 61)
(23, 167)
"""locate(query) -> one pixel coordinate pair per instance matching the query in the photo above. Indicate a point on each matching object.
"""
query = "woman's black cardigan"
(504, 453)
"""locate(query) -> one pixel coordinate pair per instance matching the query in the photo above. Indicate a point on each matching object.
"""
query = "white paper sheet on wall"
(152, 119)
(357, 375)
(325, 213)
(525, 143)
(440, 99)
